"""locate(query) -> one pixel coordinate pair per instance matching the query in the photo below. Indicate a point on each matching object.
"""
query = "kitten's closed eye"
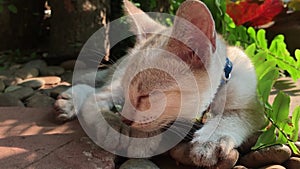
(144, 102)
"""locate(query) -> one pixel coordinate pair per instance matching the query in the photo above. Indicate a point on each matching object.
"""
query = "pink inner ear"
(193, 35)
(196, 59)
(198, 14)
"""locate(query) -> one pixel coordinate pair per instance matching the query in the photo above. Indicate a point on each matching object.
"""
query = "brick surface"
(29, 138)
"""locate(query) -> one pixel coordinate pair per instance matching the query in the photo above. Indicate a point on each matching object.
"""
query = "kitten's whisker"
(94, 60)
(183, 128)
(181, 121)
(93, 50)
(111, 61)
(176, 132)
(179, 131)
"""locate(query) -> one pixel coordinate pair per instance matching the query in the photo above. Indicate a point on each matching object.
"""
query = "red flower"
(256, 14)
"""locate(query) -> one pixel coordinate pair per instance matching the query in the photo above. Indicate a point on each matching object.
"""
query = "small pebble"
(164, 161)
(27, 72)
(67, 77)
(12, 81)
(38, 64)
(11, 88)
(70, 64)
(33, 83)
(292, 163)
(15, 67)
(271, 155)
(272, 167)
(4, 74)
(239, 167)
(229, 161)
(54, 92)
(138, 164)
(39, 100)
(250, 142)
(7, 100)
(22, 93)
(52, 71)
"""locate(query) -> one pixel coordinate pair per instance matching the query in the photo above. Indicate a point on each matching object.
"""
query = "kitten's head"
(175, 72)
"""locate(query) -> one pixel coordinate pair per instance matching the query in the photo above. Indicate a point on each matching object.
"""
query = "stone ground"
(31, 138)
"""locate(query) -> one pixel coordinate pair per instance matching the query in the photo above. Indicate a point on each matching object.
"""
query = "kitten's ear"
(194, 28)
(140, 22)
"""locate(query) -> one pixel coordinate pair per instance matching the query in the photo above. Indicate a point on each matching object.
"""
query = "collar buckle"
(227, 70)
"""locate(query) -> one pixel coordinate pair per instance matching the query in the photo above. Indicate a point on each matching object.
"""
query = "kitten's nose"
(126, 121)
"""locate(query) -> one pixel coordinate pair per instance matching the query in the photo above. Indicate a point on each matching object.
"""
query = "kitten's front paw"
(64, 108)
(70, 101)
(209, 153)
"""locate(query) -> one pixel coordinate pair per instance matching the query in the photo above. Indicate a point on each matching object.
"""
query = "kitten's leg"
(70, 101)
(103, 126)
(220, 135)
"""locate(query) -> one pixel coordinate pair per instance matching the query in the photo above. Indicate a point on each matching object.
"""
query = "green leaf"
(229, 21)
(264, 68)
(281, 106)
(259, 58)
(297, 55)
(278, 39)
(295, 122)
(281, 50)
(231, 39)
(261, 39)
(1, 8)
(250, 50)
(218, 10)
(12, 8)
(281, 139)
(294, 148)
(265, 84)
(268, 106)
(264, 89)
(267, 138)
(241, 33)
(252, 33)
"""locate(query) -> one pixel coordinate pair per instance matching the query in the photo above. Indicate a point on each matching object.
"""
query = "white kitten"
(234, 112)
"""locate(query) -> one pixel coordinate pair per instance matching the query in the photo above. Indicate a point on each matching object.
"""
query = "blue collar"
(227, 71)
(224, 80)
